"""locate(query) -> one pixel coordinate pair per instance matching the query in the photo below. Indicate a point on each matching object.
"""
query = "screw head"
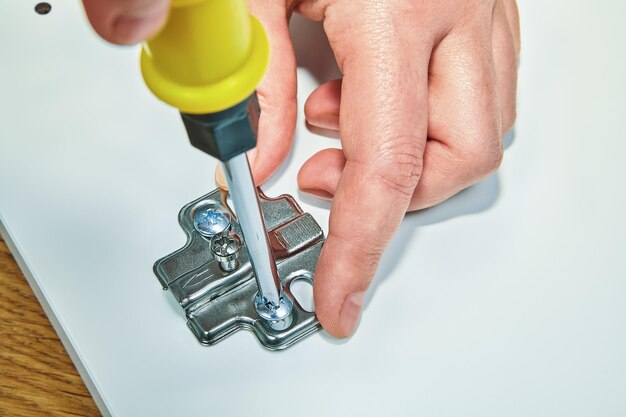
(211, 220)
(225, 247)
(278, 317)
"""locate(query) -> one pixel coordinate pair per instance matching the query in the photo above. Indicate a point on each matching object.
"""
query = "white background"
(507, 300)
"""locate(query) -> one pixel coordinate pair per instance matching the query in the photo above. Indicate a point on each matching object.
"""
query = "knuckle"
(486, 157)
(360, 251)
(368, 260)
(495, 159)
(400, 165)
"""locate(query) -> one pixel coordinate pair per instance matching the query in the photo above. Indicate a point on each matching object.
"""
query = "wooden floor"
(37, 377)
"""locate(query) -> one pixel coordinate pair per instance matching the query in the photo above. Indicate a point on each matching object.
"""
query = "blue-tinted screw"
(211, 220)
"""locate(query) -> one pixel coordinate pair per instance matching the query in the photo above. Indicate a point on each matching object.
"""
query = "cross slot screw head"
(211, 220)
(225, 249)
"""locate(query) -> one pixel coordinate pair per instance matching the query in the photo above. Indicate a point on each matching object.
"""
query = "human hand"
(428, 90)
(126, 22)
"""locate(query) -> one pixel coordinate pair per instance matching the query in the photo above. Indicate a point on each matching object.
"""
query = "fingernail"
(351, 311)
(220, 180)
(138, 25)
(323, 194)
(325, 121)
(329, 133)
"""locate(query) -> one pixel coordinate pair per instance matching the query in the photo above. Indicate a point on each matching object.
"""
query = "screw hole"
(43, 8)
(302, 291)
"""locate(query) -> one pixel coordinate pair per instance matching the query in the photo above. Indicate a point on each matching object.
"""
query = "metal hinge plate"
(218, 303)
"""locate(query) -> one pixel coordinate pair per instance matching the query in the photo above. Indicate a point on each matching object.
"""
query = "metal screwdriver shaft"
(245, 199)
(270, 303)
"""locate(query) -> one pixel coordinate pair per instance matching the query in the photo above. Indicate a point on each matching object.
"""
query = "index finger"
(383, 126)
(126, 22)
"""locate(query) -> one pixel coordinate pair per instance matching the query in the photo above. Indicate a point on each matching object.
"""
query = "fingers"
(126, 22)
(512, 14)
(465, 116)
(322, 107)
(505, 54)
(320, 175)
(276, 94)
(383, 153)
(277, 91)
(469, 99)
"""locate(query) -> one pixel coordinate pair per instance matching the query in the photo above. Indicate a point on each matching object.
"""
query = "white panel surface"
(507, 300)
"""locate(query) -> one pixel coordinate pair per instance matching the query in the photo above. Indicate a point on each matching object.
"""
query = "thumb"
(126, 22)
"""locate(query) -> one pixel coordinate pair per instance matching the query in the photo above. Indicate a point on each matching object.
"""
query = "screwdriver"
(207, 61)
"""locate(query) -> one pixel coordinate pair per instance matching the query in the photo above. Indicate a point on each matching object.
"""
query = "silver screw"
(225, 249)
(211, 220)
(278, 317)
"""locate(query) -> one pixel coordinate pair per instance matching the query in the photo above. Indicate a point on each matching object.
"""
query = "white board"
(509, 299)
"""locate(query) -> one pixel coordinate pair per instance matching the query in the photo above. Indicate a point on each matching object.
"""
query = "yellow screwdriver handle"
(209, 56)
